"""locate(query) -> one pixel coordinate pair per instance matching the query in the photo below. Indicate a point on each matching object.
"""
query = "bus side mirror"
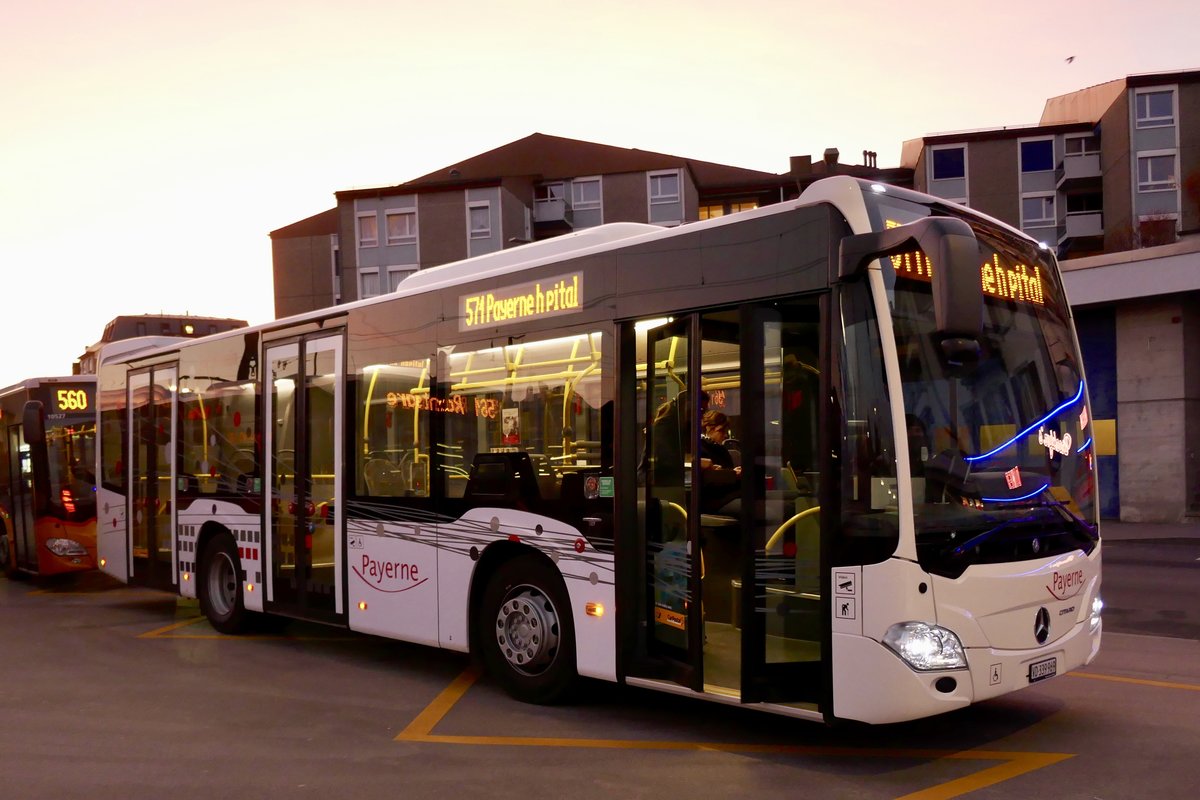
(951, 247)
(33, 422)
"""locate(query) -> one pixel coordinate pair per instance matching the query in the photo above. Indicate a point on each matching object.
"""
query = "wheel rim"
(527, 630)
(222, 585)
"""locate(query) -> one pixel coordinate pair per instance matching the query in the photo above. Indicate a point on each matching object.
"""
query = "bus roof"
(34, 383)
(842, 191)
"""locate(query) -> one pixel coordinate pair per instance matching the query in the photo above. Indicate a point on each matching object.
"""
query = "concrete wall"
(625, 197)
(1191, 388)
(516, 201)
(303, 274)
(443, 218)
(1115, 166)
(994, 182)
(1189, 154)
(1153, 409)
(348, 236)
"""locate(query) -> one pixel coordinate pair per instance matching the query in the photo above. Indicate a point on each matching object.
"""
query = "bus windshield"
(70, 454)
(1000, 451)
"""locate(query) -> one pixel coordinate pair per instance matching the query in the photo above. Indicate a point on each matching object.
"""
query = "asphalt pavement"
(1133, 531)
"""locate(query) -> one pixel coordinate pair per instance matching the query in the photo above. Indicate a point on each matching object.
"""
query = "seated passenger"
(720, 477)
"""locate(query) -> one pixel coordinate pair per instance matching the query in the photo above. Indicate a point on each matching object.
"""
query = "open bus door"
(151, 513)
(729, 592)
(24, 546)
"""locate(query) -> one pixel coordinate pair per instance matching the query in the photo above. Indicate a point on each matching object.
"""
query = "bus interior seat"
(734, 447)
(384, 479)
(571, 492)
(503, 478)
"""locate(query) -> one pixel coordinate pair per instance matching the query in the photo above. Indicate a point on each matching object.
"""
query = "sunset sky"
(148, 148)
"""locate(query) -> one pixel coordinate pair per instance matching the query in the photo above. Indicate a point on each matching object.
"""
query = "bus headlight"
(66, 547)
(1097, 607)
(925, 647)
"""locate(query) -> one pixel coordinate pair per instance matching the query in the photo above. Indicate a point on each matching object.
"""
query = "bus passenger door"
(303, 448)
(152, 476)
(726, 563)
(22, 496)
(673, 613)
(783, 591)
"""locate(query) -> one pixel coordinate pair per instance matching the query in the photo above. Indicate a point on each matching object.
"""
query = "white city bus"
(505, 456)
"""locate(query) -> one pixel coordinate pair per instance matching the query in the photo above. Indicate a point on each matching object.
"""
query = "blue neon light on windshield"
(1015, 499)
(1085, 445)
(1044, 419)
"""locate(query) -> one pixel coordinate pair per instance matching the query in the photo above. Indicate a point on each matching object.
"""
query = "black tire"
(220, 586)
(526, 632)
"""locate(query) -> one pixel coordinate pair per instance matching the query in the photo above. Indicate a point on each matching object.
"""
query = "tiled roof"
(323, 224)
(545, 157)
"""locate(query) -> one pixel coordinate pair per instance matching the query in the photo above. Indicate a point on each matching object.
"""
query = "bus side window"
(393, 423)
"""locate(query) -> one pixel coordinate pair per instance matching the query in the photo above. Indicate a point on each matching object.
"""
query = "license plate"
(1040, 670)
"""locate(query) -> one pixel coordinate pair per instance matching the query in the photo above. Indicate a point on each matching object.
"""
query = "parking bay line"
(1187, 687)
(1014, 763)
(168, 632)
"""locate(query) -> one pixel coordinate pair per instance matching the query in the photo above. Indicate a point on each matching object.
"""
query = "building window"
(368, 283)
(748, 205)
(949, 163)
(401, 226)
(1155, 109)
(479, 220)
(1156, 172)
(396, 275)
(664, 187)
(1037, 211)
(549, 191)
(585, 193)
(1082, 145)
(1037, 155)
(368, 230)
(712, 211)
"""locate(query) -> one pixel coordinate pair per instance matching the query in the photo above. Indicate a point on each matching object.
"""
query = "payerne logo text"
(1065, 584)
(388, 576)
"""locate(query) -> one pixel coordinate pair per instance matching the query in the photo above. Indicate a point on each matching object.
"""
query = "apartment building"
(534, 188)
(134, 325)
(1110, 179)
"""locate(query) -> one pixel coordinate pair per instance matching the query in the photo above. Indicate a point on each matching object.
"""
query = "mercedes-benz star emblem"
(1041, 625)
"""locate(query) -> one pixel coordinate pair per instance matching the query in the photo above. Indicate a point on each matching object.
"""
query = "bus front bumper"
(873, 684)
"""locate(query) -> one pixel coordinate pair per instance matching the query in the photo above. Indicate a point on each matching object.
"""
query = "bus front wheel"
(526, 632)
(220, 586)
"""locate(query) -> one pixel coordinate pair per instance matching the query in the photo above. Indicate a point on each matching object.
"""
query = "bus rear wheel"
(220, 586)
(526, 632)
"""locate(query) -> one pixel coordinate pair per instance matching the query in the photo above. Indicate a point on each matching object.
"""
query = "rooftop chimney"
(831, 156)
(801, 165)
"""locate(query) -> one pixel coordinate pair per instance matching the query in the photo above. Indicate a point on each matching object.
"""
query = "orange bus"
(47, 483)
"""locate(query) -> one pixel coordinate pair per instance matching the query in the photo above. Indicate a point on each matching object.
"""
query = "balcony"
(1078, 172)
(553, 214)
(1081, 230)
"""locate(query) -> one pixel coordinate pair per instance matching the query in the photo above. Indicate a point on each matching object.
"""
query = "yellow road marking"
(168, 632)
(1187, 687)
(1014, 763)
(174, 626)
(425, 722)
